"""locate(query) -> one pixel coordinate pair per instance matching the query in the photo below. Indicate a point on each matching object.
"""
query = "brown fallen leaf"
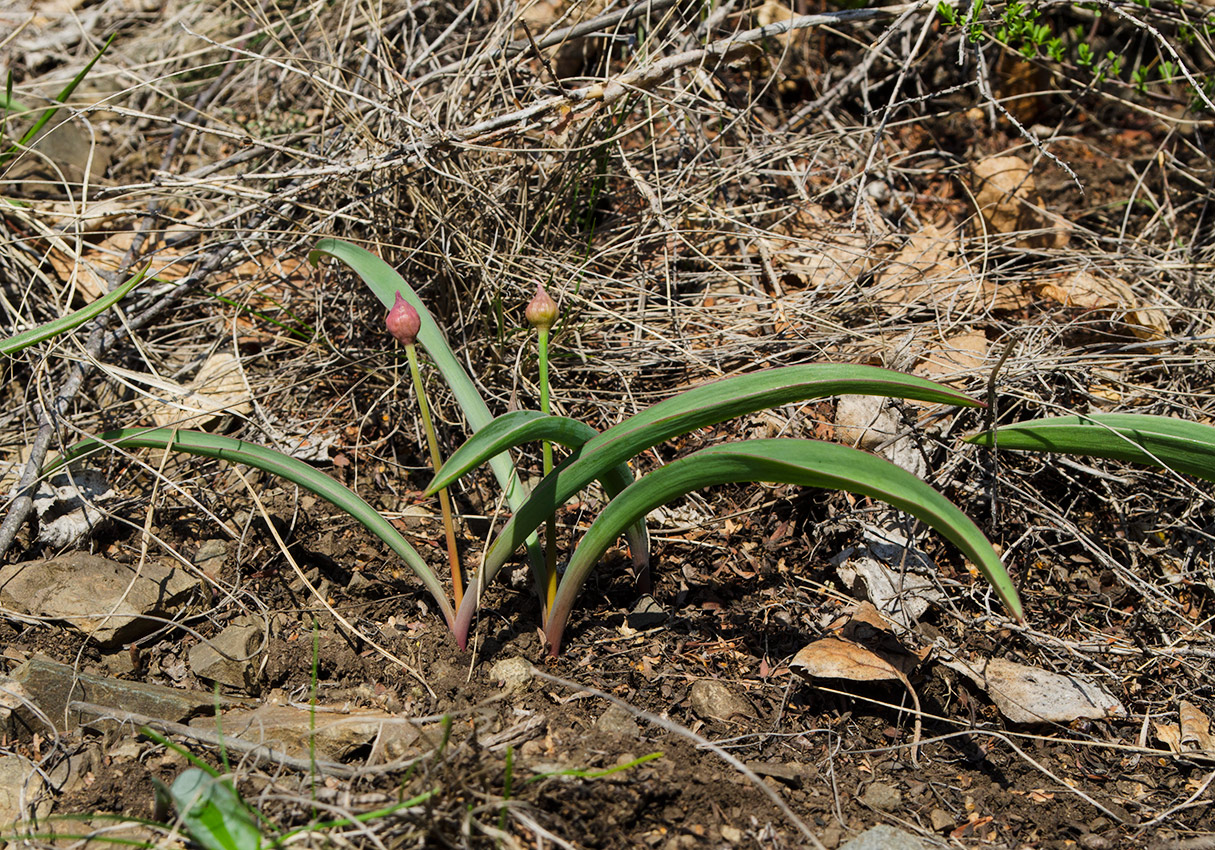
(1027, 694)
(832, 658)
(1088, 291)
(1008, 202)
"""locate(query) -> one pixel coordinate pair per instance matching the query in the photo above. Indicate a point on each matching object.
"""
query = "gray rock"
(710, 699)
(885, 837)
(230, 658)
(646, 614)
(617, 720)
(513, 673)
(211, 556)
(883, 797)
(941, 820)
(290, 730)
(20, 792)
(110, 602)
(50, 686)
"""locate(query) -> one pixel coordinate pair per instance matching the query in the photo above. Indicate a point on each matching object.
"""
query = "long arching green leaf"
(699, 407)
(65, 323)
(528, 426)
(384, 281)
(810, 463)
(275, 462)
(1134, 437)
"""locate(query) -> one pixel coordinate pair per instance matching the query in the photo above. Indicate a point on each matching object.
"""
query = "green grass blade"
(61, 325)
(49, 113)
(696, 408)
(268, 460)
(384, 281)
(1159, 441)
(808, 463)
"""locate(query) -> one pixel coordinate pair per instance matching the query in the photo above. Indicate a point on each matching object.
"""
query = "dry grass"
(702, 202)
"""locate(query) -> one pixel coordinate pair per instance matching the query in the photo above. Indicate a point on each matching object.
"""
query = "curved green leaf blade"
(384, 281)
(509, 431)
(65, 323)
(809, 463)
(699, 407)
(268, 460)
(1159, 441)
(527, 426)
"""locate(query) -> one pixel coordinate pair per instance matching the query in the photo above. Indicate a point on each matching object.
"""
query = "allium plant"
(604, 456)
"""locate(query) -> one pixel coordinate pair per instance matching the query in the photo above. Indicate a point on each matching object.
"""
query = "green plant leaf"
(268, 460)
(384, 281)
(1160, 441)
(696, 408)
(61, 325)
(809, 463)
(213, 813)
(49, 112)
(528, 426)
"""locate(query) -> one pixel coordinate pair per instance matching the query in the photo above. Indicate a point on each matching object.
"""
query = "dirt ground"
(875, 187)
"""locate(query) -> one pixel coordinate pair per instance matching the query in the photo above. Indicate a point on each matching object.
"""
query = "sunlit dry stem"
(453, 554)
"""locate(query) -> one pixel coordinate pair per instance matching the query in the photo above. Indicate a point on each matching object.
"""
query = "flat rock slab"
(885, 837)
(50, 686)
(337, 736)
(110, 602)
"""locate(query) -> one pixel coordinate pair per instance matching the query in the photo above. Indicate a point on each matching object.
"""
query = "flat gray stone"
(711, 699)
(50, 686)
(883, 797)
(646, 614)
(337, 735)
(513, 673)
(230, 657)
(618, 721)
(211, 556)
(110, 602)
(20, 790)
(885, 837)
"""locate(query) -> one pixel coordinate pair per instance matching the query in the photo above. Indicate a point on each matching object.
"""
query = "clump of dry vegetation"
(1012, 200)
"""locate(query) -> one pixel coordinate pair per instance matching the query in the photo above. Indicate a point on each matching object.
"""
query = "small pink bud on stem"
(403, 321)
(542, 310)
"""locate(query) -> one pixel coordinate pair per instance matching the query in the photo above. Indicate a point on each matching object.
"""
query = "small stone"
(710, 699)
(732, 834)
(211, 556)
(617, 720)
(20, 783)
(513, 673)
(883, 837)
(790, 774)
(646, 614)
(110, 602)
(831, 837)
(229, 658)
(941, 820)
(882, 797)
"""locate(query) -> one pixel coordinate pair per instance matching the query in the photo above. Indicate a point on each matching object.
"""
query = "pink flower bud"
(542, 311)
(403, 321)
